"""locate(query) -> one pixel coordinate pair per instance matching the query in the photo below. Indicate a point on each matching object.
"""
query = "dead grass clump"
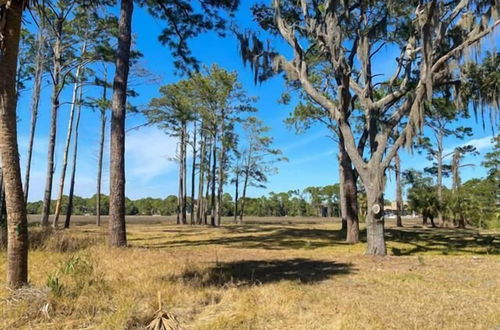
(25, 306)
(62, 240)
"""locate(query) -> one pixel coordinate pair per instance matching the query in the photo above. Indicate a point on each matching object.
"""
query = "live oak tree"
(430, 38)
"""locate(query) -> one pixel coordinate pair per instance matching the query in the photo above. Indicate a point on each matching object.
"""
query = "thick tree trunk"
(68, 141)
(374, 215)
(193, 174)
(117, 227)
(69, 211)
(214, 168)
(17, 225)
(399, 191)
(53, 125)
(343, 203)
(35, 102)
(349, 195)
(424, 220)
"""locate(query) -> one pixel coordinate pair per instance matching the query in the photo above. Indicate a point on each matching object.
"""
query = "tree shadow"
(444, 241)
(269, 239)
(249, 272)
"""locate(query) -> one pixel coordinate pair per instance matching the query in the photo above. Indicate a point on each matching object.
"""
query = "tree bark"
(53, 123)
(17, 224)
(117, 227)
(374, 215)
(69, 211)
(3, 216)
(184, 175)
(399, 191)
(350, 195)
(35, 102)
(68, 140)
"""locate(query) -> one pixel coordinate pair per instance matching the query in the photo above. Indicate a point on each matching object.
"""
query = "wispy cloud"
(311, 158)
(480, 144)
(301, 141)
(148, 151)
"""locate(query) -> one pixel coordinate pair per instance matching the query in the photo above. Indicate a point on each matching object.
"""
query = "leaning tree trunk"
(35, 102)
(243, 196)
(68, 141)
(374, 184)
(399, 191)
(56, 76)
(17, 224)
(349, 195)
(117, 227)
(69, 211)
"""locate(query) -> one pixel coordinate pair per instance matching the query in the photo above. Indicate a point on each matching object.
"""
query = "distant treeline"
(312, 201)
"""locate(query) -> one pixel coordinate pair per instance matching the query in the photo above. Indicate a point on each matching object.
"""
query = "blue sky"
(149, 171)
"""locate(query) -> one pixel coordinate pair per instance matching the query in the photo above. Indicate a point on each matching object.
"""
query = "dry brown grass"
(263, 275)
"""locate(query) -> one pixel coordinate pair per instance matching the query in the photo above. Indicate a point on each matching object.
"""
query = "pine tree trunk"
(17, 224)
(199, 209)
(374, 215)
(221, 181)
(209, 182)
(214, 167)
(68, 140)
(69, 211)
(35, 102)
(236, 183)
(193, 174)
(102, 137)
(243, 196)
(117, 227)
(399, 191)
(180, 194)
(184, 174)
(53, 126)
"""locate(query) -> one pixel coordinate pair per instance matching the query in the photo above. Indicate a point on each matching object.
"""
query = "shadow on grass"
(443, 240)
(249, 272)
(265, 238)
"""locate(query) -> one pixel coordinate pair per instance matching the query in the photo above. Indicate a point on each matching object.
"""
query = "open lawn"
(270, 273)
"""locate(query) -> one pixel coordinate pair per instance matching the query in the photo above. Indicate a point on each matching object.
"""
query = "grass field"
(267, 274)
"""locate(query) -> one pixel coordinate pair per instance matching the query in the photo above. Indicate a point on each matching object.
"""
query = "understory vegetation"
(268, 274)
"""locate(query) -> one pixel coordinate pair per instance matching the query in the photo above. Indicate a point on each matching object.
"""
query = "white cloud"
(480, 144)
(147, 154)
